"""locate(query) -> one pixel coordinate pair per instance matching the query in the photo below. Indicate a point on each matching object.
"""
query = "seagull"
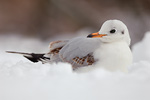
(108, 48)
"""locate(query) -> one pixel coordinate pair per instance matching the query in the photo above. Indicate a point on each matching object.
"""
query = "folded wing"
(79, 51)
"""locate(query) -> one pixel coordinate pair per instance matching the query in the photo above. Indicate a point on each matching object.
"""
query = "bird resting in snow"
(107, 48)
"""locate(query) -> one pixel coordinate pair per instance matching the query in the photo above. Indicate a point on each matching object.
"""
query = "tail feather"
(32, 56)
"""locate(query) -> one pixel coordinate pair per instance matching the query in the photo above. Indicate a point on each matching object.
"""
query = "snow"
(141, 50)
(24, 80)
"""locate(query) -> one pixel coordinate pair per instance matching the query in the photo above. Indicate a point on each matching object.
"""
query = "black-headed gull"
(108, 48)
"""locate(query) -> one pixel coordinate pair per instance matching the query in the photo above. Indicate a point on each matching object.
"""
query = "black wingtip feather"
(32, 56)
(36, 57)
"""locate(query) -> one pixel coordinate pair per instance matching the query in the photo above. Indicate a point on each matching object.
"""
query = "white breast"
(113, 56)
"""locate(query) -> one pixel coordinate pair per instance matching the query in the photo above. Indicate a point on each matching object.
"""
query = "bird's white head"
(111, 31)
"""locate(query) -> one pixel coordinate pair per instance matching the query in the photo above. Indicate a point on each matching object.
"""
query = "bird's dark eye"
(112, 31)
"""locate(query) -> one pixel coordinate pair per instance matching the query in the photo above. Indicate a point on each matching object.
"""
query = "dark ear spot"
(122, 32)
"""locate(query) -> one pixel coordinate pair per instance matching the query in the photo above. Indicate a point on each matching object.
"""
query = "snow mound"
(24, 80)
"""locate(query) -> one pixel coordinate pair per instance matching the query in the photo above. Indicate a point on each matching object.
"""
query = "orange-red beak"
(96, 35)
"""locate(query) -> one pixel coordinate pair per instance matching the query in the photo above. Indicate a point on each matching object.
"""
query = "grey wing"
(79, 51)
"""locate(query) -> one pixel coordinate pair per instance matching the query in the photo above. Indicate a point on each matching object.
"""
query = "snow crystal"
(24, 80)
